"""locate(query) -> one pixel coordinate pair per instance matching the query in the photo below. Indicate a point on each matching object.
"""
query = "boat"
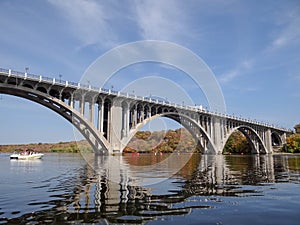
(28, 154)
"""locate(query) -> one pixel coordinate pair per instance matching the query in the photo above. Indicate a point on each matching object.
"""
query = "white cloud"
(225, 78)
(107, 24)
(89, 21)
(162, 20)
(247, 64)
(242, 68)
(289, 34)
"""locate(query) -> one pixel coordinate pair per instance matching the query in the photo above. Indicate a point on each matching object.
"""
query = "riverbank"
(179, 140)
(143, 142)
(71, 147)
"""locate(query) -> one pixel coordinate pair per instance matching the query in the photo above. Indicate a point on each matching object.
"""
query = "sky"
(251, 47)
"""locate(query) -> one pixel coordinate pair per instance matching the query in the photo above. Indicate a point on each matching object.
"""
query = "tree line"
(181, 140)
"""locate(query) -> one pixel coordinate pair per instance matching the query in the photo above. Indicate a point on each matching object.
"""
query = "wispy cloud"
(107, 24)
(242, 68)
(163, 20)
(289, 32)
(225, 78)
(89, 21)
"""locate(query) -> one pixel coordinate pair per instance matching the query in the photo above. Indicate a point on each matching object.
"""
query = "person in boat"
(29, 151)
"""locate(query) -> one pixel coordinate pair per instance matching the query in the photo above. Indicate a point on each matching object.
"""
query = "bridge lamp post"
(60, 78)
(26, 69)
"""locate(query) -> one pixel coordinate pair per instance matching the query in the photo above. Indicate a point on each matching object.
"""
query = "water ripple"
(210, 193)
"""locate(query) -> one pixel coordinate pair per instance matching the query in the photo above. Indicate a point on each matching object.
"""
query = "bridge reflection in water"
(114, 193)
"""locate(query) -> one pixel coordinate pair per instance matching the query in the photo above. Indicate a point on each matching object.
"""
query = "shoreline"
(70, 146)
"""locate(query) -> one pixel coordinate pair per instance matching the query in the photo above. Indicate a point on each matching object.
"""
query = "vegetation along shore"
(179, 140)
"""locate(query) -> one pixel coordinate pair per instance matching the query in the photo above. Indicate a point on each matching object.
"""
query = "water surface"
(64, 188)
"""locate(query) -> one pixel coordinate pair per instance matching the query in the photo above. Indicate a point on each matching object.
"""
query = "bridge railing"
(4, 70)
(33, 76)
(47, 79)
(17, 73)
(74, 84)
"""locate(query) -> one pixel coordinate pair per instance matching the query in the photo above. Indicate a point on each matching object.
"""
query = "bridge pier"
(268, 141)
(100, 116)
(116, 126)
(125, 124)
(216, 135)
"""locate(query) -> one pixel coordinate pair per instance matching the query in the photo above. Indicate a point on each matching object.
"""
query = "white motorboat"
(26, 155)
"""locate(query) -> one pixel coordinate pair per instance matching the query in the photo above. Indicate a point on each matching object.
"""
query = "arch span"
(95, 139)
(276, 139)
(199, 134)
(256, 143)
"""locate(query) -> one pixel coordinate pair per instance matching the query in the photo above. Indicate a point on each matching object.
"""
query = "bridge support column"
(134, 119)
(125, 120)
(100, 116)
(91, 111)
(211, 126)
(216, 135)
(268, 141)
(116, 126)
(82, 104)
(72, 101)
(283, 138)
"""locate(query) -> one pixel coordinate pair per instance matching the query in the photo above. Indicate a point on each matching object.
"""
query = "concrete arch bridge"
(109, 119)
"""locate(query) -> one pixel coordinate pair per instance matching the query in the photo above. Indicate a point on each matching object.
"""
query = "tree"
(162, 141)
(237, 143)
(293, 143)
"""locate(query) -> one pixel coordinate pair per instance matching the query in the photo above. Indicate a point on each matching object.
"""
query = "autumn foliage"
(169, 141)
(293, 143)
(179, 140)
(236, 144)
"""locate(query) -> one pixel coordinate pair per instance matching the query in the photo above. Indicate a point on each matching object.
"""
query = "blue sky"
(252, 47)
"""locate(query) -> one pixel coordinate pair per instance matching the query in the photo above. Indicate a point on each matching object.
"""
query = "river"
(150, 189)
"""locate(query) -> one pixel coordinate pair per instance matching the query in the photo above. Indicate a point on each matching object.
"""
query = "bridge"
(108, 119)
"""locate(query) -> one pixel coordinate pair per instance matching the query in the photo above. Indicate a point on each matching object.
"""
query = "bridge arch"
(255, 141)
(42, 89)
(27, 85)
(197, 131)
(94, 138)
(276, 139)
